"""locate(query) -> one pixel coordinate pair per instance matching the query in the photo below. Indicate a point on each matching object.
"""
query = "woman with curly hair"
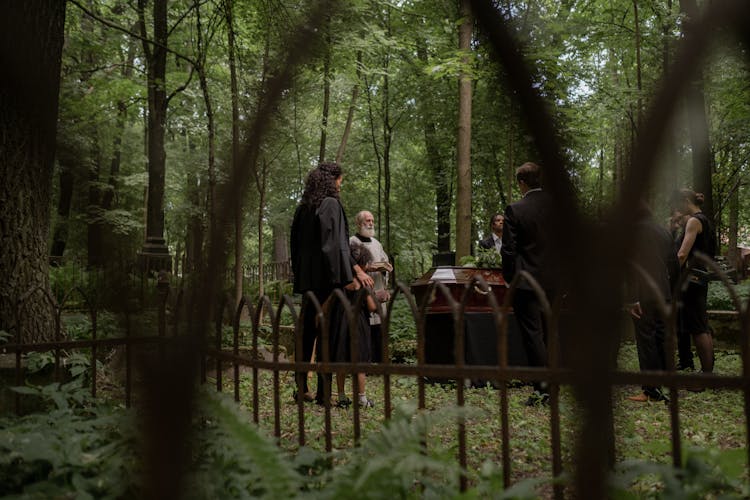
(321, 260)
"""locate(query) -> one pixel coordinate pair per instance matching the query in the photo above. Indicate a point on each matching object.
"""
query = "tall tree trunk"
(238, 240)
(156, 69)
(326, 90)
(387, 142)
(463, 174)
(387, 136)
(261, 178)
(639, 100)
(95, 225)
(436, 163)
(196, 228)
(352, 107)
(734, 216)
(60, 235)
(511, 173)
(210, 126)
(698, 125)
(31, 41)
(280, 243)
(671, 178)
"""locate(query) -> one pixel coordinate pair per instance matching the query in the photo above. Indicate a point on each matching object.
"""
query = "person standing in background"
(379, 270)
(526, 247)
(654, 253)
(495, 239)
(699, 237)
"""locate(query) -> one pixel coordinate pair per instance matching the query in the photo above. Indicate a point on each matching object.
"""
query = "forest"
(174, 136)
(156, 100)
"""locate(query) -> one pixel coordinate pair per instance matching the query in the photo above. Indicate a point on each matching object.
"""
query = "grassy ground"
(713, 419)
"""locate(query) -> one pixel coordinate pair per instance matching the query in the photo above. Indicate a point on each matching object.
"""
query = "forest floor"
(709, 420)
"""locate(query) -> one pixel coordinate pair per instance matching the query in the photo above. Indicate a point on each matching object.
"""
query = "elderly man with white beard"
(378, 270)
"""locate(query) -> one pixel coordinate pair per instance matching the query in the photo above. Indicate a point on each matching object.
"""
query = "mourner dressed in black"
(321, 260)
(526, 247)
(699, 236)
(654, 253)
(495, 239)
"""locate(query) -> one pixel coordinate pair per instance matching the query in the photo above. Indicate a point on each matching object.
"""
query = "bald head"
(365, 223)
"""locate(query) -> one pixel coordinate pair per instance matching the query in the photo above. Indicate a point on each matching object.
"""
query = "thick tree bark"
(280, 243)
(463, 180)
(31, 40)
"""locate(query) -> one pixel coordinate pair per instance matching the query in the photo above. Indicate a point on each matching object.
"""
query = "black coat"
(487, 243)
(654, 253)
(526, 240)
(321, 259)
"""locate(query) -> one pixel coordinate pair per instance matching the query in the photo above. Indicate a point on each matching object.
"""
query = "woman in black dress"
(698, 237)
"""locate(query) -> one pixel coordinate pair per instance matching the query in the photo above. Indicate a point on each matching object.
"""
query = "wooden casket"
(480, 346)
(457, 280)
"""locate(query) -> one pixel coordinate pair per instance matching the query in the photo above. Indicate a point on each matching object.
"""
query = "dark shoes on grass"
(650, 397)
(538, 399)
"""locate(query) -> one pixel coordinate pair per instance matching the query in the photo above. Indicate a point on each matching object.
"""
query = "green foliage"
(707, 474)
(484, 257)
(402, 333)
(78, 326)
(73, 450)
(233, 459)
(719, 298)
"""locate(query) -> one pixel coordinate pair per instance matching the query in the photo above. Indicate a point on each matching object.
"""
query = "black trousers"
(310, 333)
(650, 332)
(533, 328)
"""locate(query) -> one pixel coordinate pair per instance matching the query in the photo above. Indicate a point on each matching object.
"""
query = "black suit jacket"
(321, 259)
(526, 240)
(654, 252)
(487, 243)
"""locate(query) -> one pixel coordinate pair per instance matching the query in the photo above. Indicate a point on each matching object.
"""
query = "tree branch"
(130, 33)
(183, 86)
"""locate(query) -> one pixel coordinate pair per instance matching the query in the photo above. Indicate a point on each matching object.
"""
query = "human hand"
(635, 310)
(383, 295)
(365, 279)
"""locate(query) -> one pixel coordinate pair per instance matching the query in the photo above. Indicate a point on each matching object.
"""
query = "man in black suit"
(654, 253)
(527, 247)
(495, 239)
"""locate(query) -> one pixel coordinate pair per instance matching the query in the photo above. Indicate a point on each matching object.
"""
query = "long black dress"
(340, 331)
(321, 262)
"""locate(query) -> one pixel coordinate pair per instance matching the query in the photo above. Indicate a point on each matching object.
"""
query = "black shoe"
(656, 395)
(344, 402)
(538, 399)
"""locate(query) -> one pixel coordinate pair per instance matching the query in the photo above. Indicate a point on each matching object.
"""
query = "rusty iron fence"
(172, 325)
(272, 271)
